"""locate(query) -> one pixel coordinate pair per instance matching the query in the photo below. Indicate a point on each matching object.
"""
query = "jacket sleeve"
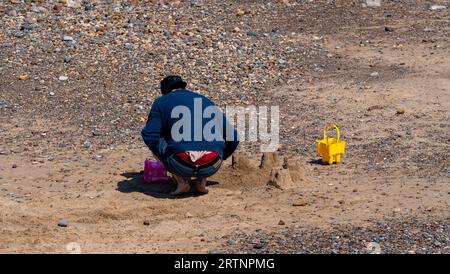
(151, 133)
(231, 138)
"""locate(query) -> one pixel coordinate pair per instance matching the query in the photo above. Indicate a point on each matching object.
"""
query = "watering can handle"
(330, 127)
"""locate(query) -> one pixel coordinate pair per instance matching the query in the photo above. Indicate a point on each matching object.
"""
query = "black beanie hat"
(172, 82)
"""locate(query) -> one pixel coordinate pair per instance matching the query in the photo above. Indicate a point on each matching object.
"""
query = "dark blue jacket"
(159, 125)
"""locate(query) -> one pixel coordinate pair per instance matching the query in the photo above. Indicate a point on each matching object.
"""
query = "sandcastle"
(271, 170)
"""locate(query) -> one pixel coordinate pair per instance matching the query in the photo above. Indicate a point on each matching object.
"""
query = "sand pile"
(271, 171)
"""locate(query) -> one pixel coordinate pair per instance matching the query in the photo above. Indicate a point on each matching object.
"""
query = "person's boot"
(182, 185)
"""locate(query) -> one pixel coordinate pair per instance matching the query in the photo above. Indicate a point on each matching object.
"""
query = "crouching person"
(184, 141)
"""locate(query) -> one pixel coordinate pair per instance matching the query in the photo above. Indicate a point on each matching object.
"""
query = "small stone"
(240, 12)
(73, 4)
(63, 223)
(200, 63)
(374, 74)
(88, 7)
(67, 38)
(373, 248)
(188, 215)
(388, 29)
(300, 202)
(63, 78)
(14, 166)
(128, 46)
(437, 7)
(28, 27)
(19, 34)
(400, 111)
(258, 245)
(215, 251)
(52, 93)
(37, 9)
(381, 223)
(24, 77)
(236, 29)
(146, 223)
(67, 59)
(364, 43)
(282, 62)
(230, 242)
(12, 13)
(281, 222)
(408, 132)
(197, 4)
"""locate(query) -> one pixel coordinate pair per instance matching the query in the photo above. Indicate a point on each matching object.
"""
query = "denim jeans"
(174, 166)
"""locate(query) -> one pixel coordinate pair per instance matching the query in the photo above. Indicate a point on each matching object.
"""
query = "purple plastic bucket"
(154, 171)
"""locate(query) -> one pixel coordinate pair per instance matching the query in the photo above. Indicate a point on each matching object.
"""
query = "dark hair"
(172, 82)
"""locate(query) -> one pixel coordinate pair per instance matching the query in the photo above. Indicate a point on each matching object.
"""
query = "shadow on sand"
(317, 162)
(134, 182)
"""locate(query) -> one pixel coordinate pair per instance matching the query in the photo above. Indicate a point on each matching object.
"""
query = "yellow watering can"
(331, 149)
